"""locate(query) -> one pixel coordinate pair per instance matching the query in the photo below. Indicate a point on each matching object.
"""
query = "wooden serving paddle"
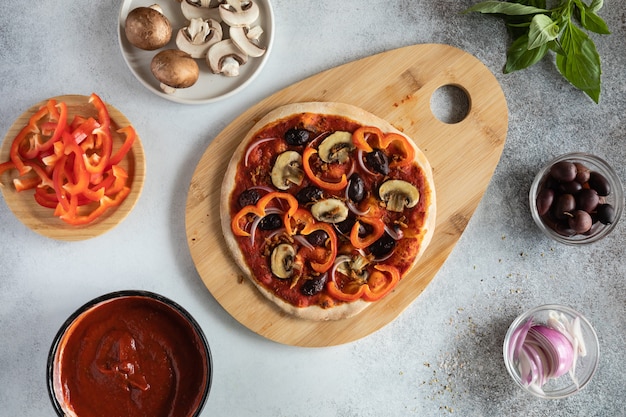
(397, 86)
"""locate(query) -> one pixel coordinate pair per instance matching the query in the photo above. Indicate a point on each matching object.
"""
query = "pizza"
(326, 207)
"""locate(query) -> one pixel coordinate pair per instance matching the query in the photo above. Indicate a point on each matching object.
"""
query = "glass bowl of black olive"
(576, 198)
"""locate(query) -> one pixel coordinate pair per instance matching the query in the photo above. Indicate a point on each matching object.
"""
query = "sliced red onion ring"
(338, 261)
(303, 241)
(359, 157)
(262, 188)
(395, 234)
(517, 339)
(254, 145)
(313, 142)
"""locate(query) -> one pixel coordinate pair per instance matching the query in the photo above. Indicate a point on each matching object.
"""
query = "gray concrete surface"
(443, 355)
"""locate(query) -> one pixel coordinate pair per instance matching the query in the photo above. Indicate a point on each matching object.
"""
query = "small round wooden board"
(41, 219)
(397, 86)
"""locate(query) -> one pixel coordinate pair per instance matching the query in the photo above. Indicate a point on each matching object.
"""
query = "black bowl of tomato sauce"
(129, 353)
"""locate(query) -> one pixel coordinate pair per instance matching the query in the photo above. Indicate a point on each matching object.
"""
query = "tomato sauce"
(131, 356)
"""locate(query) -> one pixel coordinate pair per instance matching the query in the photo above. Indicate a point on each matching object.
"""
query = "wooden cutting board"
(397, 86)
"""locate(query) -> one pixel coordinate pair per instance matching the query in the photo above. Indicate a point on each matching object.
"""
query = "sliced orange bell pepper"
(378, 230)
(333, 186)
(300, 220)
(326, 264)
(362, 136)
(381, 282)
(259, 210)
(397, 144)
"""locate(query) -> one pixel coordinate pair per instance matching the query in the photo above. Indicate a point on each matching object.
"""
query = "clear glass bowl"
(124, 340)
(585, 366)
(548, 225)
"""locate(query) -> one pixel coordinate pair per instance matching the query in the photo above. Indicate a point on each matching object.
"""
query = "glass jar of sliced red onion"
(551, 351)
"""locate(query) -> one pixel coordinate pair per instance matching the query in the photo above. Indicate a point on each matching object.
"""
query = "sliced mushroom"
(331, 210)
(174, 69)
(336, 147)
(147, 28)
(198, 36)
(282, 260)
(239, 13)
(355, 267)
(398, 195)
(199, 9)
(248, 45)
(225, 58)
(287, 170)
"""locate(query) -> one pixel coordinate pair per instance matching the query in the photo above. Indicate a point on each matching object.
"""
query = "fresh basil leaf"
(580, 64)
(520, 57)
(596, 5)
(594, 23)
(503, 7)
(541, 31)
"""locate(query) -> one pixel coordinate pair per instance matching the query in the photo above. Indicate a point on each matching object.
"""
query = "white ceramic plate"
(209, 87)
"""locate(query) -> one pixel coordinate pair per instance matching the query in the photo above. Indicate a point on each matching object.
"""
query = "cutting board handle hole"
(450, 104)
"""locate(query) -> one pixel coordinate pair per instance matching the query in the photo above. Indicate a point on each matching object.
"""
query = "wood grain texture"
(396, 85)
(41, 219)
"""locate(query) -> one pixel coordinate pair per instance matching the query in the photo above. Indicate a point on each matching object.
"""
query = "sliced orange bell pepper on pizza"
(259, 209)
(378, 229)
(326, 185)
(380, 282)
(367, 138)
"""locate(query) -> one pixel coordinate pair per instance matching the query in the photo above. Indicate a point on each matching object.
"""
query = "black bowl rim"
(121, 294)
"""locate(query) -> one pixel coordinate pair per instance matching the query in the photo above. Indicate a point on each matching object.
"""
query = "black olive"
(317, 238)
(314, 285)
(377, 161)
(248, 197)
(382, 246)
(271, 222)
(309, 194)
(563, 171)
(599, 183)
(297, 137)
(605, 213)
(356, 188)
(345, 226)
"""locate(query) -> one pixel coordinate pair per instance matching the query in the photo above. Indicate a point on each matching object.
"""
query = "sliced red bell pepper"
(72, 164)
(103, 136)
(130, 136)
(378, 227)
(333, 186)
(72, 217)
(30, 128)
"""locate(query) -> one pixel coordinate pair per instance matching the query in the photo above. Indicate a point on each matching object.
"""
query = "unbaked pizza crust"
(358, 115)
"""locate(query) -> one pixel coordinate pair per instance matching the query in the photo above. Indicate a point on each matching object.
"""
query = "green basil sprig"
(536, 29)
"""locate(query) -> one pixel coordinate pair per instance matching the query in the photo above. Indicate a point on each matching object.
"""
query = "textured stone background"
(443, 355)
